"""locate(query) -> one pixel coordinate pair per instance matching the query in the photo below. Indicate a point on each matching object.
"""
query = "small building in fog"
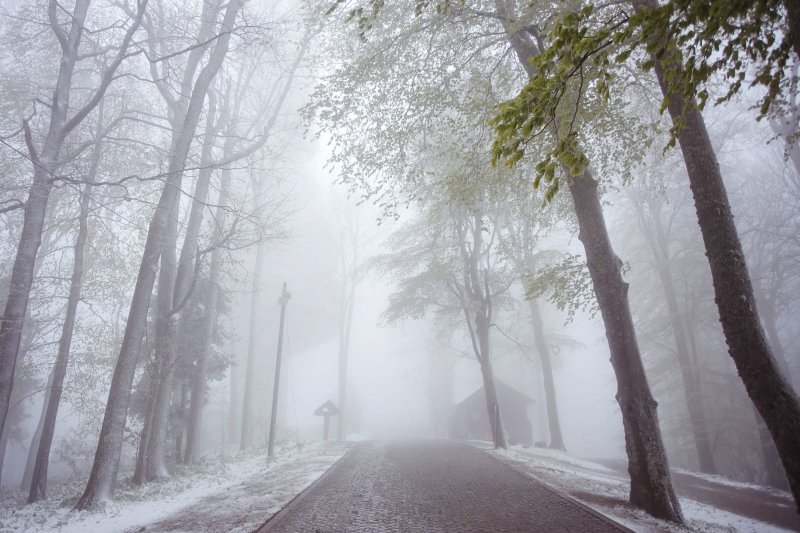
(470, 419)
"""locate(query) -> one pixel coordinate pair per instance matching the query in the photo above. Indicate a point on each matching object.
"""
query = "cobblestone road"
(430, 486)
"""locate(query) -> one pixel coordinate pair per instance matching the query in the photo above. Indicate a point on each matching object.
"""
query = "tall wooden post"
(282, 301)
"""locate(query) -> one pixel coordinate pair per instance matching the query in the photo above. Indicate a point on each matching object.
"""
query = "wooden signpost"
(327, 409)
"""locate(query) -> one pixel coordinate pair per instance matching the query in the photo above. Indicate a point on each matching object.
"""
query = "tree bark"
(106, 464)
(793, 15)
(27, 475)
(479, 302)
(489, 389)
(772, 395)
(209, 319)
(3, 445)
(45, 164)
(38, 485)
(651, 484)
(149, 381)
(166, 332)
(172, 297)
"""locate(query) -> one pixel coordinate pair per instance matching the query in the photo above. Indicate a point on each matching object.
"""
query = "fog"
(487, 240)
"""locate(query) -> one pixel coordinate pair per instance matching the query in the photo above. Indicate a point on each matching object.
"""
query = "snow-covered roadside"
(606, 491)
(292, 470)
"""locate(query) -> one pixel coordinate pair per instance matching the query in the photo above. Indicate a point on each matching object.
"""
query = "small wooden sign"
(327, 409)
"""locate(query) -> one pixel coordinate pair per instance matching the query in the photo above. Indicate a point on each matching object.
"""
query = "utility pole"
(282, 301)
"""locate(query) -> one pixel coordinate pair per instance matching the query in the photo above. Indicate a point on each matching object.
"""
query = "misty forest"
(399, 265)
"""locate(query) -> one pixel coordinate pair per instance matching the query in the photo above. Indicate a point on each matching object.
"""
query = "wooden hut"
(470, 418)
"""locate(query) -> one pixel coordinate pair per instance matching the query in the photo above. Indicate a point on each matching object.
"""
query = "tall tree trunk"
(180, 435)
(772, 395)
(38, 485)
(3, 445)
(45, 163)
(651, 484)
(172, 297)
(479, 301)
(554, 425)
(207, 329)
(36, 205)
(148, 381)
(255, 327)
(489, 389)
(106, 463)
(691, 386)
(793, 14)
(769, 318)
(30, 461)
(773, 469)
(166, 333)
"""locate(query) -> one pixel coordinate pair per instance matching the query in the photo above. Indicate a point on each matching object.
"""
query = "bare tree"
(38, 484)
(45, 159)
(106, 464)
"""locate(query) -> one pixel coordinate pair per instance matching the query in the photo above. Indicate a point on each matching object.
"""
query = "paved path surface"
(430, 486)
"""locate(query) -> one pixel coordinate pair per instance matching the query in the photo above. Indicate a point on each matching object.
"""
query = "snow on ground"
(606, 491)
(234, 493)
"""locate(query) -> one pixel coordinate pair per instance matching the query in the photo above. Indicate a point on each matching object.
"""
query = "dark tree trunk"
(769, 318)
(38, 485)
(772, 395)
(793, 15)
(773, 469)
(554, 425)
(490, 391)
(651, 485)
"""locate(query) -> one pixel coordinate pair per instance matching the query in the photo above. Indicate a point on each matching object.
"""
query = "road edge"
(519, 469)
(303, 493)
